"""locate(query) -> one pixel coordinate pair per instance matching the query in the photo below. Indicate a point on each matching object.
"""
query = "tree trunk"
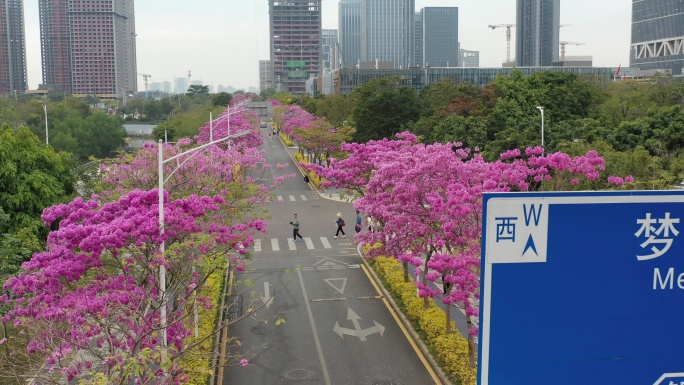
(406, 272)
(448, 318)
(4, 335)
(423, 279)
(471, 343)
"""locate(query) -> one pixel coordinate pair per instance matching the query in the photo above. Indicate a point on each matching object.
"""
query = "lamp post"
(162, 246)
(541, 109)
(47, 140)
(226, 116)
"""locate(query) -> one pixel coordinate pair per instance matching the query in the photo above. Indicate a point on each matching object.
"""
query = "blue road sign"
(582, 288)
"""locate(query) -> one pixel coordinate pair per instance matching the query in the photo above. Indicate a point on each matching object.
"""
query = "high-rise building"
(418, 40)
(387, 31)
(12, 47)
(440, 36)
(329, 46)
(265, 75)
(88, 47)
(658, 35)
(349, 19)
(295, 33)
(537, 30)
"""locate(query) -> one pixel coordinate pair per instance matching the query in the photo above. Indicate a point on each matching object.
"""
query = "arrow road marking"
(357, 331)
(339, 289)
(266, 298)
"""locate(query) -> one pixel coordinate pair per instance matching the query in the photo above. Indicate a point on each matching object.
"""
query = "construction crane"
(508, 38)
(562, 46)
(145, 76)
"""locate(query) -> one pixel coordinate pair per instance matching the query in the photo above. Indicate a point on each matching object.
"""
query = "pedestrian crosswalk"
(309, 243)
(296, 197)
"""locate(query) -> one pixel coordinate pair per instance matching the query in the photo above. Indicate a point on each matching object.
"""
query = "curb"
(423, 348)
(221, 336)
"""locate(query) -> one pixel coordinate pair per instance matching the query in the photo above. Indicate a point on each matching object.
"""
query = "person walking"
(358, 222)
(340, 224)
(295, 230)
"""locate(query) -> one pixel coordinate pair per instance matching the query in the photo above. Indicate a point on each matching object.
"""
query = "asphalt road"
(337, 329)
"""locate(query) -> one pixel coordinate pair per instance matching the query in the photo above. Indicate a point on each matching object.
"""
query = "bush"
(286, 140)
(450, 349)
(199, 365)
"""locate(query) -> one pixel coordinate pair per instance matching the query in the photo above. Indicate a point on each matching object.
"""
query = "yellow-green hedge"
(451, 349)
(286, 140)
(199, 365)
(315, 179)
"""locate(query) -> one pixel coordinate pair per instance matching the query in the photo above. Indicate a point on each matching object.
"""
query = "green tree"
(32, 177)
(382, 107)
(222, 99)
(197, 89)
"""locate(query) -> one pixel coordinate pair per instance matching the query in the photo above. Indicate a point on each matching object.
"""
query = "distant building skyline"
(12, 47)
(537, 32)
(658, 35)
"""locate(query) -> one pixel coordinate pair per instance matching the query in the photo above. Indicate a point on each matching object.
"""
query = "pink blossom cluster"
(96, 287)
(426, 202)
(244, 120)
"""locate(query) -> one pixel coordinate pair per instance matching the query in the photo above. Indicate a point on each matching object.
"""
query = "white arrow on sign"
(357, 331)
(666, 376)
(266, 298)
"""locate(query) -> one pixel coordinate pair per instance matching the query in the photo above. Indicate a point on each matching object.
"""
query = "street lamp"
(541, 109)
(226, 116)
(162, 246)
(47, 140)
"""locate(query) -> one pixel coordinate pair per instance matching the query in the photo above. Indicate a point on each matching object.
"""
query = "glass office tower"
(537, 32)
(387, 31)
(658, 35)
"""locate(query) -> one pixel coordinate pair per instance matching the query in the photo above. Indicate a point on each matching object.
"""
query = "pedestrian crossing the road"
(320, 243)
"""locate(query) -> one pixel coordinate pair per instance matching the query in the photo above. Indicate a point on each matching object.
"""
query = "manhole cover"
(298, 374)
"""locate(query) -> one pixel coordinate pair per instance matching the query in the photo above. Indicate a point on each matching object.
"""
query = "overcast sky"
(221, 41)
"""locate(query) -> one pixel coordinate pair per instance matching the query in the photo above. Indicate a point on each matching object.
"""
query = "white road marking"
(274, 244)
(291, 244)
(309, 243)
(326, 244)
(257, 245)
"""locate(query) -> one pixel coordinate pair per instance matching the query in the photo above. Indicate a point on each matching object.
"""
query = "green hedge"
(450, 349)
